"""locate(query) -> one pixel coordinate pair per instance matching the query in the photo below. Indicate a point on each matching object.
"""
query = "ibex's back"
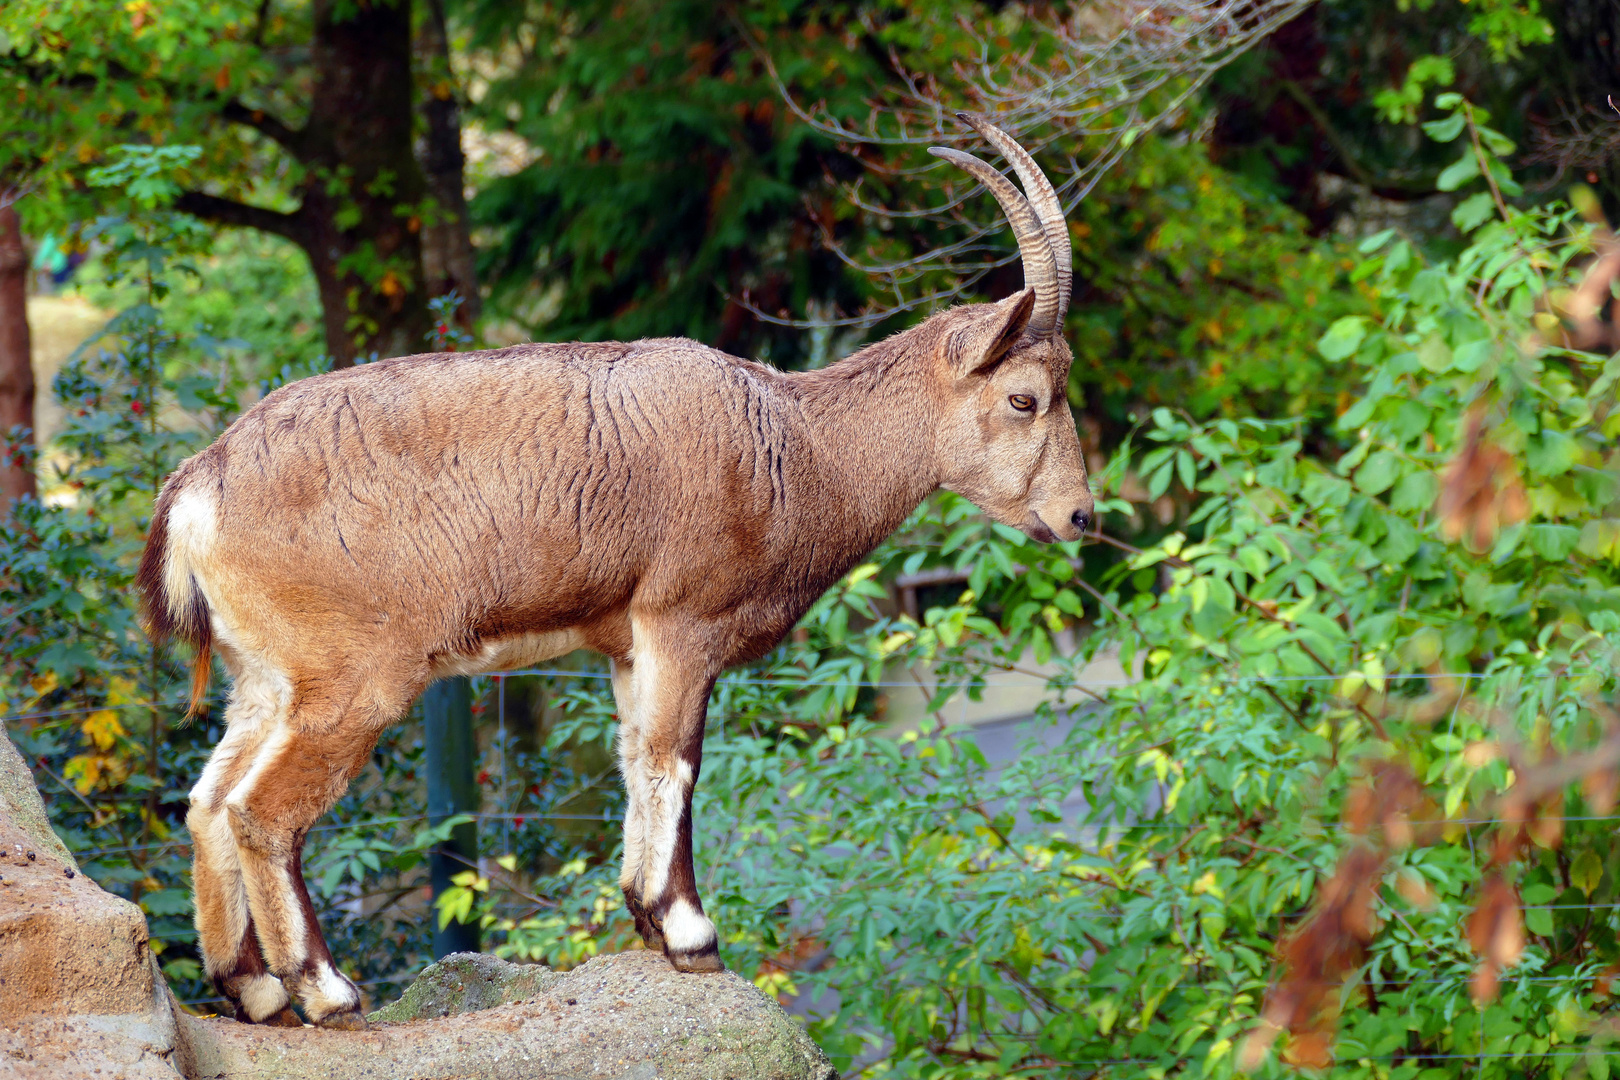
(355, 535)
(435, 509)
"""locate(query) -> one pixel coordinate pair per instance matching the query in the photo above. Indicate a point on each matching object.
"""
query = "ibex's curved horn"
(1040, 268)
(1044, 201)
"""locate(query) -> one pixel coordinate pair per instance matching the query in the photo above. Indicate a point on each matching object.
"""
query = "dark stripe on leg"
(651, 935)
(317, 956)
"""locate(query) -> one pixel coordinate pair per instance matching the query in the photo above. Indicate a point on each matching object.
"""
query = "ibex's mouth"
(1036, 529)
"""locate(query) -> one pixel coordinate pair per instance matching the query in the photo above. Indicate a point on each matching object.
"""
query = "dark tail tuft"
(164, 617)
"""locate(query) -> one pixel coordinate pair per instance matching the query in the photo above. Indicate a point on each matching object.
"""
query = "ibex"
(358, 534)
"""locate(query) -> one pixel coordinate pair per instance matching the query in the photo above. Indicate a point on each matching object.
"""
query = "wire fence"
(1057, 683)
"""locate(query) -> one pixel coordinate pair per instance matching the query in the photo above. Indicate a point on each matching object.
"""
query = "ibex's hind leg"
(661, 752)
(296, 777)
(225, 931)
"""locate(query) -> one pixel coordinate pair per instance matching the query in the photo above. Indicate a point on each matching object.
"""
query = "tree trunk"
(447, 251)
(365, 193)
(16, 362)
(364, 197)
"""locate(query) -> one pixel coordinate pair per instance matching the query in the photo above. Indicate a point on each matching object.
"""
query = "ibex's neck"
(872, 419)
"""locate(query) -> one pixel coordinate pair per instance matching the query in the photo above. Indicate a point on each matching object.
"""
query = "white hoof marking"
(686, 930)
(263, 997)
(327, 992)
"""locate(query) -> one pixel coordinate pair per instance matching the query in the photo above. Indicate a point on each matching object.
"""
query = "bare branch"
(1088, 87)
(265, 124)
(229, 212)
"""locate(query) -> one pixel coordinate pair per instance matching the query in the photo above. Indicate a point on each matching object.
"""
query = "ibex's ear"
(980, 345)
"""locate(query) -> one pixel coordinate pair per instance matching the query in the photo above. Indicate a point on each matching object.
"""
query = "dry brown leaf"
(1330, 944)
(1256, 1044)
(1359, 807)
(1398, 831)
(1547, 827)
(1480, 491)
(1600, 788)
(1310, 1050)
(1496, 933)
(1414, 890)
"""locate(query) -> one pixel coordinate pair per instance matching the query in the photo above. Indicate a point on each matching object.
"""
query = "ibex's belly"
(510, 653)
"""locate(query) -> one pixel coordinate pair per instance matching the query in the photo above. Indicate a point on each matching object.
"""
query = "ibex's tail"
(174, 604)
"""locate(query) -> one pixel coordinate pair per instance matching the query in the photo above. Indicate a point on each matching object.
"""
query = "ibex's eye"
(1021, 402)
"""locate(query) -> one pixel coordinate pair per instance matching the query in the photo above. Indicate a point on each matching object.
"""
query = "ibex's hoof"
(348, 1020)
(285, 1018)
(702, 962)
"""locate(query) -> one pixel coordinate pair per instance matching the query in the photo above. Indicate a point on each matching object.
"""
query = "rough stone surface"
(66, 946)
(129, 1046)
(21, 807)
(629, 1016)
(80, 994)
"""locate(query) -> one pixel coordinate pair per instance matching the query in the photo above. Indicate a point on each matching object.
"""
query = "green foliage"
(1199, 290)
(76, 65)
(668, 179)
(667, 182)
(252, 304)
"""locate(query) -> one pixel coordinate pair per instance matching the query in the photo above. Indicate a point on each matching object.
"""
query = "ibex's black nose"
(1082, 519)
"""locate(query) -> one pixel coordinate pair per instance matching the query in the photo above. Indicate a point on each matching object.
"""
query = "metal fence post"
(451, 789)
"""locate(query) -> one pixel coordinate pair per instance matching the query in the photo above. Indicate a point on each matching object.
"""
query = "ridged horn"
(1040, 267)
(1042, 198)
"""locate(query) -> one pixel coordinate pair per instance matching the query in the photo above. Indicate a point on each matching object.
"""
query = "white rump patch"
(193, 527)
(686, 930)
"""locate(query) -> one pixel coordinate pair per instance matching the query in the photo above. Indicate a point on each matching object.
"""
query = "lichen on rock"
(465, 982)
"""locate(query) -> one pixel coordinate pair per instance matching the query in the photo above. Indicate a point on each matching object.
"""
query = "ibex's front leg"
(663, 696)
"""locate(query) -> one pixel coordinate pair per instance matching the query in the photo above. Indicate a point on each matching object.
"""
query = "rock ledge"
(628, 1016)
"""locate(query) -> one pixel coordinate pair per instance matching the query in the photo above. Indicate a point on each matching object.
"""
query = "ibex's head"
(1008, 441)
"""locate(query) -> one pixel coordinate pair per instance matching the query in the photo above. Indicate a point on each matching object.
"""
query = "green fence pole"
(451, 789)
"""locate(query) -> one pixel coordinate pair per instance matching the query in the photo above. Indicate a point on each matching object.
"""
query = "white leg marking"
(284, 952)
(687, 930)
(263, 996)
(630, 768)
(216, 847)
(278, 912)
(658, 796)
(268, 752)
(666, 805)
